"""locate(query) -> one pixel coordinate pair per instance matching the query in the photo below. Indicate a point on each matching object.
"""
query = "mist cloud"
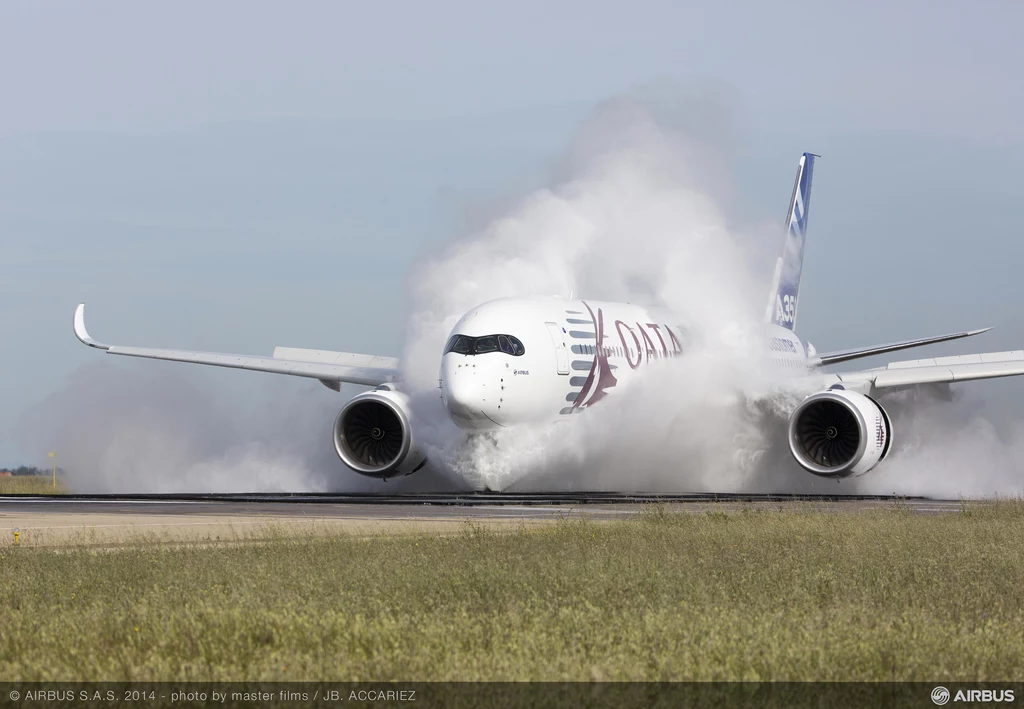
(635, 210)
(635, 213)
(631, 215)
(124, 426)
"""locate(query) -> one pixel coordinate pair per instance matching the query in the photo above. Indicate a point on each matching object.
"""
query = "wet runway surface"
(59, 519)
(462, 505)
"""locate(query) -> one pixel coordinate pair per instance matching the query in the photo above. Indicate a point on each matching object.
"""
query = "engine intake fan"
(839, 433)
(372, 435)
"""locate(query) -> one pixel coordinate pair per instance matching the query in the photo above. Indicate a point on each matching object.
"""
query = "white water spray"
(633, 213)
(634, 216)
(630, 219)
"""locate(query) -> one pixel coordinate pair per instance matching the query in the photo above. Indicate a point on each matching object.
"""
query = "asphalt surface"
(102, 519)
(431, 506)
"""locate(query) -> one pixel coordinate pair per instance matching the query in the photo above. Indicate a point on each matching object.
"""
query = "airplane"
(513, 361)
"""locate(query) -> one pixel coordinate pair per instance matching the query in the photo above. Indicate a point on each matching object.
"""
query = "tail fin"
(782, 304)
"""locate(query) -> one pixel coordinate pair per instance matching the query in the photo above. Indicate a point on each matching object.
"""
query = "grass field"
(749, 595)
(30, 485)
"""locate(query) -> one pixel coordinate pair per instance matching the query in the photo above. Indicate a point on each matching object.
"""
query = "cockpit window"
(460, 344)
(487, 343)
(464, 344)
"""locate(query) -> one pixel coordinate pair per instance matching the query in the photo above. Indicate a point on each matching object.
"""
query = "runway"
(60, 520)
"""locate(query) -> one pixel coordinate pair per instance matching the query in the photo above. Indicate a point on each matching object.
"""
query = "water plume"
(632, 214)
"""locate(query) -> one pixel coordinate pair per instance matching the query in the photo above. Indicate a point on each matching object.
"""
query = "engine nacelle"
(839, 433)
(372, 435)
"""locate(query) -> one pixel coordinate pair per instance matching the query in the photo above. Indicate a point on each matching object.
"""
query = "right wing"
(823, 360)
(331, 368)
(934, 370)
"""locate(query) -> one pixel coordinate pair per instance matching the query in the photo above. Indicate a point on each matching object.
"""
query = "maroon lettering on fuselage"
(677, 347)
(661, 339)
(647, 341)
(625, 345)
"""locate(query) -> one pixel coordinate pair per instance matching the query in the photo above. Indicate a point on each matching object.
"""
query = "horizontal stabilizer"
(846, 355)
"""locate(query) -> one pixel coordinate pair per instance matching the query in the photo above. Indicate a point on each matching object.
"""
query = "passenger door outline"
(561, 351)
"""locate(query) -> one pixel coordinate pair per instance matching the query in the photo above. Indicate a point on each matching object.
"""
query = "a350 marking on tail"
(785, 308)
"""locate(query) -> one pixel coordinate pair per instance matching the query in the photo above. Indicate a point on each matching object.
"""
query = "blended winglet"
(81, 333)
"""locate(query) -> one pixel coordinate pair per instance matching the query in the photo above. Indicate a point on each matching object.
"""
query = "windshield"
(464, 344)
(488, 343)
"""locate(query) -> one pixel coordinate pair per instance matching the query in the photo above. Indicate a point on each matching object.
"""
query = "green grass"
(30, 485)
(712, 596)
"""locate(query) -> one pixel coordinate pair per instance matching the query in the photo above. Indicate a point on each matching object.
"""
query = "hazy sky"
(235, 176)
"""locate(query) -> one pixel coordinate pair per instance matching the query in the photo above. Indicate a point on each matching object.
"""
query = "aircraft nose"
(469, 394)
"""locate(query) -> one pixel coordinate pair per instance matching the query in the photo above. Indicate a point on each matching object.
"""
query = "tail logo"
(785, 308)
(782, 303)
(797, 223)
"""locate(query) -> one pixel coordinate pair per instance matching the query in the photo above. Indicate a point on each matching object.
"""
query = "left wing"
(331, 368)
(935, 370)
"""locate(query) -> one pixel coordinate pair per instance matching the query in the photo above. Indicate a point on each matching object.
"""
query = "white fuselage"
(525, 360)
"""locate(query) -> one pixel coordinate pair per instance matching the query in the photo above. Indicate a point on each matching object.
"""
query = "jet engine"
(373, 437)
(839, 433)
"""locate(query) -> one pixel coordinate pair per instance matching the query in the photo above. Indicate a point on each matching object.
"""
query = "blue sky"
(236, 176)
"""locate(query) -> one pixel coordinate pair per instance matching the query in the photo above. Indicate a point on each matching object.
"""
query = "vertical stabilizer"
(782, 305)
